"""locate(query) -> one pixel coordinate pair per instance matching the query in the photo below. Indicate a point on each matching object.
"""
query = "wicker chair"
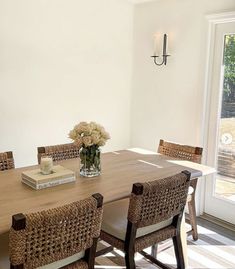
(151, 215)
(6, 161)
(63, 237)
(59, 152)
(188, 153)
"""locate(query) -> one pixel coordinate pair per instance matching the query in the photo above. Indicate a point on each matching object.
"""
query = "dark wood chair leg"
(90, 254)
(104, 251)
(154, 249)
(177, 220)
(130, 261)
(178, 252)
(192, 211)
(129, 245)
(154, 260)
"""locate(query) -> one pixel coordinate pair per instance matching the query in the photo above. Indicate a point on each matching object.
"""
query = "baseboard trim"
(218, 221)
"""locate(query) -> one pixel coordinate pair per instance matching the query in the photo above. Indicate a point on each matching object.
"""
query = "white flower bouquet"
(87, 134)
(89, 137)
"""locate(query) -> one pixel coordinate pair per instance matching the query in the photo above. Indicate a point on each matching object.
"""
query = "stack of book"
(36, 180)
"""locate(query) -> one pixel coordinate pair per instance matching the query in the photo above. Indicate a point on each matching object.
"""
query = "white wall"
(168, 100)
(62, 62)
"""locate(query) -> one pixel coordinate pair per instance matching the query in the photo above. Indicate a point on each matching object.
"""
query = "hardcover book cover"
(59, 173)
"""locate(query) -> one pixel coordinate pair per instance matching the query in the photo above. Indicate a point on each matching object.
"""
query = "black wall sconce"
(164, 53)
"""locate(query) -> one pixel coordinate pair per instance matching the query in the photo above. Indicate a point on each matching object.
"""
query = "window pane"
(225, 181)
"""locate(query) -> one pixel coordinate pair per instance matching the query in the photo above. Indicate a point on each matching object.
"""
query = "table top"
(119, 171)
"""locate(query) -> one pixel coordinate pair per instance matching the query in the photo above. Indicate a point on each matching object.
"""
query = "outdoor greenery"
(228, 107)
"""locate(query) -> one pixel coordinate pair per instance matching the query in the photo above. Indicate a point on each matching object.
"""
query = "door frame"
(212, 21)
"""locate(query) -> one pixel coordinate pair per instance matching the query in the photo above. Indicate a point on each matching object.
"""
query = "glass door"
(225, 180)
(220, 190)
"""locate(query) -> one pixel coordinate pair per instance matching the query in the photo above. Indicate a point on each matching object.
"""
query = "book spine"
(29, 183)
(47, 180)
(48, 184)
(28, 178)
(54, 183)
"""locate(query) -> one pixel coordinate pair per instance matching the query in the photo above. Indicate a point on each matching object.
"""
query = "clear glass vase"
(90, 161)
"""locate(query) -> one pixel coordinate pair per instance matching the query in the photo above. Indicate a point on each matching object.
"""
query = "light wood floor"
(215, 249)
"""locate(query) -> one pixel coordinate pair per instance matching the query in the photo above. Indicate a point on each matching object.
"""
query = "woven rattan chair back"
(159, 200)
(6, 161)
(189, 153)
(59, 152)
(178, 151)
(41, 238)
(152, 203)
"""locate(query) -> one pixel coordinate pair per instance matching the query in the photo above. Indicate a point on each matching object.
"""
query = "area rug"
(210, 251)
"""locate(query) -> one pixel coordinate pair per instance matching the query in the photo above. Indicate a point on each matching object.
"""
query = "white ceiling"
(141, 1)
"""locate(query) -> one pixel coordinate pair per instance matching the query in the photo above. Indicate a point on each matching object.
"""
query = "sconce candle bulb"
(164, 53)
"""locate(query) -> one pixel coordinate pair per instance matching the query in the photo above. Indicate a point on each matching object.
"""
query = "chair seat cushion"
(64, 262)
(190, 190)
(115, 220)
(5, 262)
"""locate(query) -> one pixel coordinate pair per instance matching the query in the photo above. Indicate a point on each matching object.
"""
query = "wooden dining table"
(120, 169)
